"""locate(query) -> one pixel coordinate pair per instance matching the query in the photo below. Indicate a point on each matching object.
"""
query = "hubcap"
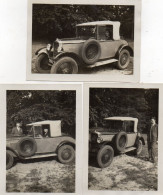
(122, 141)
(66, 154)
(27, 147)
(65, 68)
(91, 52)
(124, 59)
(106, 156)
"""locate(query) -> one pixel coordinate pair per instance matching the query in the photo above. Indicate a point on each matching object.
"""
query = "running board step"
(102, 63)
(128, 149)
(40, 156)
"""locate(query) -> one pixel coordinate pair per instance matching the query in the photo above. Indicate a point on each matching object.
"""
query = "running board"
(128, 149)
(102, 63)
(40, 156)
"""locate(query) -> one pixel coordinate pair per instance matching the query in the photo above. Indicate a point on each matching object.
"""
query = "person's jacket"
(16, 132)
(153, 133)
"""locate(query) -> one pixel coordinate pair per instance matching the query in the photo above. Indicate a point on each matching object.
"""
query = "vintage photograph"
(123, 139)
(40, 141)
(84, 39)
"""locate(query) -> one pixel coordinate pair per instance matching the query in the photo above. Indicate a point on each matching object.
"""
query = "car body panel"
(44, 145)
(109, 48)
(49, 145)
(108, 137)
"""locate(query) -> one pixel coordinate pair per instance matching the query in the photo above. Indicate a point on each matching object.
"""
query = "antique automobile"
(118, 135)
(43, 139)
(96, 43)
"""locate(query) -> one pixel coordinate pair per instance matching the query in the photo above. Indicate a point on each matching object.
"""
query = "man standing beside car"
(17, 131)
(152, 138)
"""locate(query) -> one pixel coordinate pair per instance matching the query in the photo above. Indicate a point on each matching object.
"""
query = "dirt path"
(46, 175)
(125, 173)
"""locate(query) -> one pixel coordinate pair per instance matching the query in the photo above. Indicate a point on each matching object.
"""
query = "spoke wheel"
(105, 156)
(66, 154)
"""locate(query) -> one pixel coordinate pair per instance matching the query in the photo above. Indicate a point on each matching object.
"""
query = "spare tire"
(26, 147)
(121, 141)
(91, 51)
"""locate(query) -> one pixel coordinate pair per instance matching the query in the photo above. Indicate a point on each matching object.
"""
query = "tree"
(107, 102)
(51, 21)
(37, 105)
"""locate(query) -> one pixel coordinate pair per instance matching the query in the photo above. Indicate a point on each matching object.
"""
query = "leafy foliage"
(58, 21)
(107, 102)
(36, 105)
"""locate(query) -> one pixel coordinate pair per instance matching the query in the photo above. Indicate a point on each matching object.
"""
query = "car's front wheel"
(66, 154)
(65, 65)
(124, 59)
(105, 156)
(42, 63)
(9, 160)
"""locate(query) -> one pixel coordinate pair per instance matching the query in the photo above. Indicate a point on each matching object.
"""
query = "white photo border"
(87, 87)
(87, 77)
(3, 110)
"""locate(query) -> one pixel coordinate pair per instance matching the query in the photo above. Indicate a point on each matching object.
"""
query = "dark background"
(36, 105)
(51, 21)
(139, 103)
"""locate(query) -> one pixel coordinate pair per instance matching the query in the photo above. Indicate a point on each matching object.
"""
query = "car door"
(131, 135)
(109, 46)
(45, 144)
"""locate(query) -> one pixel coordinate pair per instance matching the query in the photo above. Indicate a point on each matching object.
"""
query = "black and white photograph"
(123, 133)
(84, 39)
(41, 134)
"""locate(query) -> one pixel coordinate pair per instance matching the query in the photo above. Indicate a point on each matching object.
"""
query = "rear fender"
(65, 143)
(126, 46)
(12, 152)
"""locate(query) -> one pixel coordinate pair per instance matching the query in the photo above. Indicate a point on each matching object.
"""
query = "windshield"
(113, 125)
(86, 32)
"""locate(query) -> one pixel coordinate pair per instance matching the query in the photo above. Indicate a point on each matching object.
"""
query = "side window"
(105, 32)
(46, 130)
(129, 126)
(38, 131)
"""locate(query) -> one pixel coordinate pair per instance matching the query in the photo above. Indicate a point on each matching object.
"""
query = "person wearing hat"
(17, 131)
(152, 138)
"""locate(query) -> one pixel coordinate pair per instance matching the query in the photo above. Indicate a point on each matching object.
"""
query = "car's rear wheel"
(65, 65)
(42, 63)
(139, 147)
(124, 59)
(9, 160)
(91, 51)
(66, 154)
(121, 140)
(26, 147)
(105, 156)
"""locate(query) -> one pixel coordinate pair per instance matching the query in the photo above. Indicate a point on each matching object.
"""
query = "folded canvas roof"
(116, 26)
(55, 126)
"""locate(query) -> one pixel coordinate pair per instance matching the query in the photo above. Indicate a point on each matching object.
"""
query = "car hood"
(102, 131)
(70, 41)
(97, 129)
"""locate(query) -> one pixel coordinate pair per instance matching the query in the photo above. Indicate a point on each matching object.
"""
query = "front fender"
(41, 50)
(12, 152)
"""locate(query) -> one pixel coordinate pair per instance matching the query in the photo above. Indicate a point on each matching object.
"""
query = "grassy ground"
(127, 172)
(106, 69)
(45, 175)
